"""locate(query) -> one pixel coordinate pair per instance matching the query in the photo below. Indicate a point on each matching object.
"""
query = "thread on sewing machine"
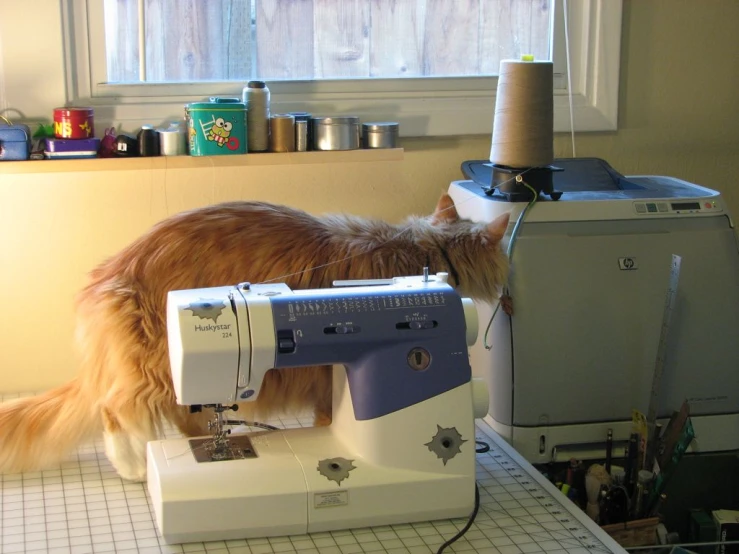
(509, 252)
(188, 451)
(523, 123)
(229, 422)
(569, 78)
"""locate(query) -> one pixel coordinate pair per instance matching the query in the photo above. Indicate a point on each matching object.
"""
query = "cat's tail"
(38, 432)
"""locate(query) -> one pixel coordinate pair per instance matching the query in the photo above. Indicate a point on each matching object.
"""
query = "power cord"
(467, 526)
(482, 448)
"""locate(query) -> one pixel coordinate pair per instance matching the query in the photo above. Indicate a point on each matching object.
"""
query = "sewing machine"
(401, 445)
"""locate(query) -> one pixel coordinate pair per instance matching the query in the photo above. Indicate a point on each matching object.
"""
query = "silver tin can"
(301, 135)
(173, 139)
(336, 133)
(382, 134)
(170, 142)
(308, 118)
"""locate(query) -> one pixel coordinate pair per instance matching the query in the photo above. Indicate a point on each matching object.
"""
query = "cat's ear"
(445, 211)
(496, 228)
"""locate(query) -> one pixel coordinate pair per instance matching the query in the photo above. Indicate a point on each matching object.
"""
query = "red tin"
(74, 123)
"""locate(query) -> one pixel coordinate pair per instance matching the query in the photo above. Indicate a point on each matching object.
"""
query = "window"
(430, 64)
(239, 40)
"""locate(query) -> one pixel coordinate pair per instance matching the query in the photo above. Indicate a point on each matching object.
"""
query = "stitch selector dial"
(419, 359)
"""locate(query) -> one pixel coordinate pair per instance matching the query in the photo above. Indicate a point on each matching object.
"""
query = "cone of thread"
(256, 96)
(523, 124)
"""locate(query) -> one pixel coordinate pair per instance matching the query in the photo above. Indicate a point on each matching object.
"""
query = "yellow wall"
(679, 116)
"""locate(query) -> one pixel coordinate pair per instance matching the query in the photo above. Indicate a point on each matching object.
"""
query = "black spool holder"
(504, 181)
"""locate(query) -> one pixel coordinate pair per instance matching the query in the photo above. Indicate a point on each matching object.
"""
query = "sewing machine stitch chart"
(84, 507)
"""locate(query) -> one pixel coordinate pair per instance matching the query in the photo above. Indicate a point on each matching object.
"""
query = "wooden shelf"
(193, 162)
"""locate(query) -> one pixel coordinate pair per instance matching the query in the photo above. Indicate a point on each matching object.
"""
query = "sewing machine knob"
(285, 342)
(419, 359)
(286, 346)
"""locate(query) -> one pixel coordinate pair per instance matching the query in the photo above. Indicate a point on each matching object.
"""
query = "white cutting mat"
(83, 507)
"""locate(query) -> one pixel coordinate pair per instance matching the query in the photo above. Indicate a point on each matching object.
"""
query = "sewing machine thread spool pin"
(425, 274)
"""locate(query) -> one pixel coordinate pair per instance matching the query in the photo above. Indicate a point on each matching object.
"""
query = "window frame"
(451, 106)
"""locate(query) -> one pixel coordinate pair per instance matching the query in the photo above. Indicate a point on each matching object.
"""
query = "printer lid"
(594, 179)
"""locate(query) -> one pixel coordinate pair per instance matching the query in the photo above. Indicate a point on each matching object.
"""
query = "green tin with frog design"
(217, 127)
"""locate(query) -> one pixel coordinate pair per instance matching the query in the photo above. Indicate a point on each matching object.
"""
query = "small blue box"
(15, 142)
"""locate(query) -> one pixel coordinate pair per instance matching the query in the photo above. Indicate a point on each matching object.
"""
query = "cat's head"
(475, 253)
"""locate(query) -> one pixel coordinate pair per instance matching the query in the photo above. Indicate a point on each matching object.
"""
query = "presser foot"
(235, 448)
(220, 447)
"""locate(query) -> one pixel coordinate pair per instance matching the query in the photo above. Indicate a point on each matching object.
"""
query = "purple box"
(72, 148)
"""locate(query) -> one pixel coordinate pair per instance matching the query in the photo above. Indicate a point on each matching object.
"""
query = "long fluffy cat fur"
(124, 387)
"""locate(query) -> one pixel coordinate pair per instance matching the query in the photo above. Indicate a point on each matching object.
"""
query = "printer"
(589, 275)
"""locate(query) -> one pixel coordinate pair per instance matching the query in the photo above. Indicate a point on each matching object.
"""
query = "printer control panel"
(680, 206)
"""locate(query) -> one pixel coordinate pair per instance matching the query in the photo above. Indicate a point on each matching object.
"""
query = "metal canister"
(336, 133)
(301, 135)
(148, 141)
(282, 133)
(303, 130)
(74, 123)
(171, 140)
(381, 134)
(217, 127)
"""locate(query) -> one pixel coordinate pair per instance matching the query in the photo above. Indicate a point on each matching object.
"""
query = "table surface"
(83, 507)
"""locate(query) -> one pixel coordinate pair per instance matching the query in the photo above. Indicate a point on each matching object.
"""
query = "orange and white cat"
(124, 387)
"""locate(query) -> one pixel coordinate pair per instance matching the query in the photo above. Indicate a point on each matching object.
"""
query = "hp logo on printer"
(627, 264)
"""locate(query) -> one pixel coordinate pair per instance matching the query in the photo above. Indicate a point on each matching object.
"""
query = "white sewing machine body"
(588, 283)
(391, 455)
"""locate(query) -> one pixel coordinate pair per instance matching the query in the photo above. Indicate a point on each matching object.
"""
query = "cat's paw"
(133, 476)
(130, 470)
(127, 456)
(322, 420)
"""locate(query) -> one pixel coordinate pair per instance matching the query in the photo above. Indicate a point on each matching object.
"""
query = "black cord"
(467, 526)
(482, 448)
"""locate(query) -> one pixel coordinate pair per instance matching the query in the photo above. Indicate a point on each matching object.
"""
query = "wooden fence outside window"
(205, 40)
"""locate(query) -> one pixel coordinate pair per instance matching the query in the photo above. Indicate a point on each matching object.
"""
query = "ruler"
(660, 362)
